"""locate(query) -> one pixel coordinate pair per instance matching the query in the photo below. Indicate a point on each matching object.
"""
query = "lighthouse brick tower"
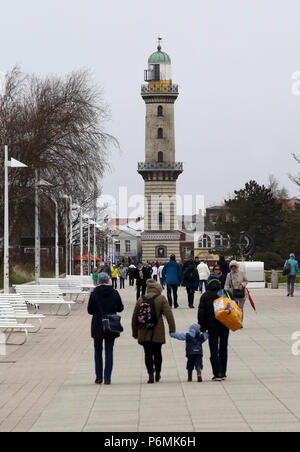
(160, 170)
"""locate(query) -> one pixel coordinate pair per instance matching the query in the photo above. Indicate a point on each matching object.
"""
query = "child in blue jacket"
(194, 352)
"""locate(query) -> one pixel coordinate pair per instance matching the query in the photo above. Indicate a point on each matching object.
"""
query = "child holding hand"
(194, 352)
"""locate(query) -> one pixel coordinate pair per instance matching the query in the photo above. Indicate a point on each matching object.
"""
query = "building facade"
(160, 170)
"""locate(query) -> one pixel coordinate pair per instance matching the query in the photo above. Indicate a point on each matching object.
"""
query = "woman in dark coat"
(103, 301)
(218, 333)
(153, 339)
(191, 281)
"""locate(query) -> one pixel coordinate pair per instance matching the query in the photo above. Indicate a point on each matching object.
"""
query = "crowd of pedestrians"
(152, 306)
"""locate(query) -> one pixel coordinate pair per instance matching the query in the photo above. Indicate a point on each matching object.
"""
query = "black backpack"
(191, 276)
(147, 317)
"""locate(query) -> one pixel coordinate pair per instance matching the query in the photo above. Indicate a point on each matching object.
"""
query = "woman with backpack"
(191, 281)
(104, 300)
(148, 327)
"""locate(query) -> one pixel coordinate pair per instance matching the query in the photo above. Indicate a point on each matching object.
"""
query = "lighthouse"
(160, 170)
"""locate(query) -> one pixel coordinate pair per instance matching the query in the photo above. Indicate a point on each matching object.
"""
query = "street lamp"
(37, 257)
(70, 219)
(76, 206)
(86, 217)
(12, 164)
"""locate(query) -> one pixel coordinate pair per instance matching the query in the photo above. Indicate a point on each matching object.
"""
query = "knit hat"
(195, 326)
(234, 264)
(292, 256)
(103, 278)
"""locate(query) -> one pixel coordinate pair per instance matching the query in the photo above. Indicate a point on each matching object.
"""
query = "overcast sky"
(236, 118)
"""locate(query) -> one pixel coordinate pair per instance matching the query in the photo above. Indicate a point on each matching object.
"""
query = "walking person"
(114, 276)
(191, 281)
(148, 327)
(123, 275)
(155, 271)
(217, 332)
(142, 274)
(223, 266)
(95, 276)
(204, 274)
(237, 282)
(131, 274)
(219, 275)
(291, 267)
(172, 276)
(104, 300)
(194, 351)
(160, 272)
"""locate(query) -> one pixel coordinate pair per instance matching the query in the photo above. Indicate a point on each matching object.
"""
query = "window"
(127, 246)
(187, 253)
(161, 252)
(160, 157)
(118, 246)
(160, 111)
(219, 241)
(160, 218)
(160, 133)
(204, 241)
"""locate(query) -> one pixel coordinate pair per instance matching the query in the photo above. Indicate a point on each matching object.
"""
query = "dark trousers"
(153, 357)
(122, 283)
(191, 295)
(131, 282)
(172, 288)
(203, 281)
(109, 350)
(291, 284)
(218, 344)
(155, 277)
(194, 362)
(141, 290)
(115, 283)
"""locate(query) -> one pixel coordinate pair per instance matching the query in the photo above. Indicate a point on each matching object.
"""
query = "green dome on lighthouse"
(159, 57)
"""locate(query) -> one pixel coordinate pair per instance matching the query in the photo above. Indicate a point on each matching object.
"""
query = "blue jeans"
(172, 288)
(201, 285)
(194, 362)
(218, 344)
(109, 350)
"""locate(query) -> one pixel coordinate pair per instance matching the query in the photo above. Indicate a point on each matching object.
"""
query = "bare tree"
(277, 191)
(57, 126)
(296, 179)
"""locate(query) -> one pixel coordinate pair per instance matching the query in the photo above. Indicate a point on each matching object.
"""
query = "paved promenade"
(48, 384)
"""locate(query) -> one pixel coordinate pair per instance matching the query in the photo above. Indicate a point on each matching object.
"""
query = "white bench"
(19, 305)
(8, 323)
(44, 295)
(67, 287)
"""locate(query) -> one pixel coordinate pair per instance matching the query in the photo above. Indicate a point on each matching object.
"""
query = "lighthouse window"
(160, 218)
(160, 111)
(160, 157)
(160, 133)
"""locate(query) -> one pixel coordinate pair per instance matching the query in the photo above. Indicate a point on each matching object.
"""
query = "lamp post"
(86, 217)
(12, 164)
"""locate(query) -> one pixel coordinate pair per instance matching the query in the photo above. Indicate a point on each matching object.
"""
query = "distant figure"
(204, 274)
(224, 266)
(142, 274)
(160, 272)
(104, 300)
(95, 276)
(219, 275)
(194, 351)
(237, 282)
(172, 276)
(292, 266)
(123, 275)
(114, 276)
(131, 273)
(155, 271)
(148, 327)
(190, 281)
